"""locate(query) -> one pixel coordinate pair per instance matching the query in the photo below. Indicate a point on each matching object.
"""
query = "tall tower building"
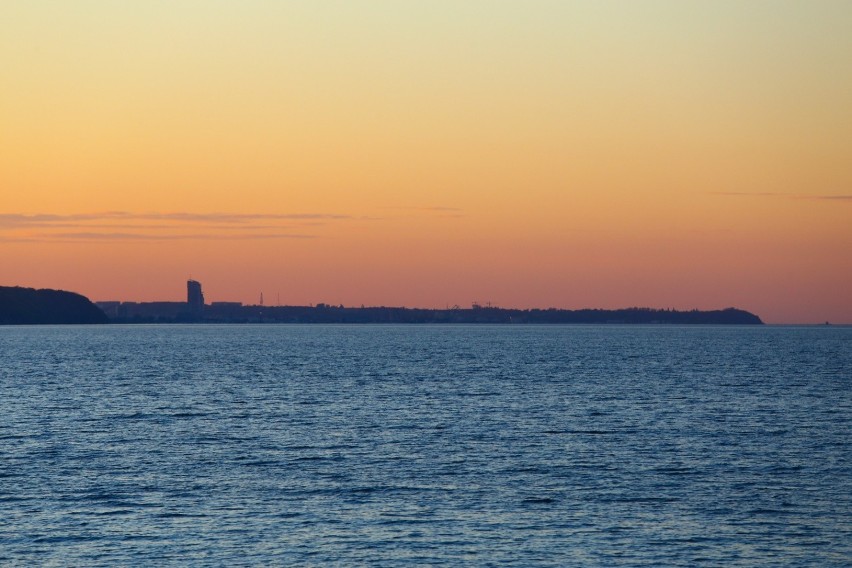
(194, 297)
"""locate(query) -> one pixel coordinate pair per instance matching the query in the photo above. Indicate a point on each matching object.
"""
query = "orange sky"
(535, 154)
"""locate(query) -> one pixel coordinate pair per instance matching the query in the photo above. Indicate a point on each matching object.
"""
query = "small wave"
(137, 416)
(101, 496)
(771, 511)
(189, 414)
(287, 515)
(179, 515)
(674, 470)
(391, 520)
(62, 539)
(114, 512)
(14, 499)
(528, 469)
(262, 463)
(539, 500)
(318, 458)
(637, 499)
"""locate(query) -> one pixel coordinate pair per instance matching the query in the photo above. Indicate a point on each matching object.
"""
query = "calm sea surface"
(425, 445)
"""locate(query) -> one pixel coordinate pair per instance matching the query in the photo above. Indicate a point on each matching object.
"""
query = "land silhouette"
(30, 306)
(477, 314)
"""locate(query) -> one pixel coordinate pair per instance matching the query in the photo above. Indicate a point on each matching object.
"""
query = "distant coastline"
(178, 312)
(30, 306)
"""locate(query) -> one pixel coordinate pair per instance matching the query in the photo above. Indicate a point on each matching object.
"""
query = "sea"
(425, 445)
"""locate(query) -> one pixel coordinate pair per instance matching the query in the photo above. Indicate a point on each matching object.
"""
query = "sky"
(566, 154)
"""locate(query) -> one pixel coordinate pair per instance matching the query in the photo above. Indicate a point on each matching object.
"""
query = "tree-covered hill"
(30, 306)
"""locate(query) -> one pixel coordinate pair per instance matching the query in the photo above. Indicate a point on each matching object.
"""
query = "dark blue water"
(420, 445)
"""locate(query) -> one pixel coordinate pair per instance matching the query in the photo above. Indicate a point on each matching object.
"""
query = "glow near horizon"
(568, 154)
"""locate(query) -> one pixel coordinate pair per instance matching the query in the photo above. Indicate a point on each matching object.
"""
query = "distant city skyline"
(589, 154)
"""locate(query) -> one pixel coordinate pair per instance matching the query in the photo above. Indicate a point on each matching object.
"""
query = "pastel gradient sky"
(424, 153)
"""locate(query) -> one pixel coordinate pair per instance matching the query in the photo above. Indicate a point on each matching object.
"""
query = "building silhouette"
(194, 297)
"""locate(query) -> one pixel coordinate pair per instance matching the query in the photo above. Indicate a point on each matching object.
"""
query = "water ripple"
(425, 445)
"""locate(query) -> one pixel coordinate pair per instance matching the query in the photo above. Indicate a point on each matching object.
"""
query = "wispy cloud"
(433, 209)
(126, 226)
(439, 208)
(440, 211)
(161, 226)
(746, 193)
(804, 196)
(43, 220)
(93, 236)
(8, 239)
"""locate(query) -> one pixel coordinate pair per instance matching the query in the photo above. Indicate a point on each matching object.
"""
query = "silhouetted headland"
(31, 306)
(233, 312)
